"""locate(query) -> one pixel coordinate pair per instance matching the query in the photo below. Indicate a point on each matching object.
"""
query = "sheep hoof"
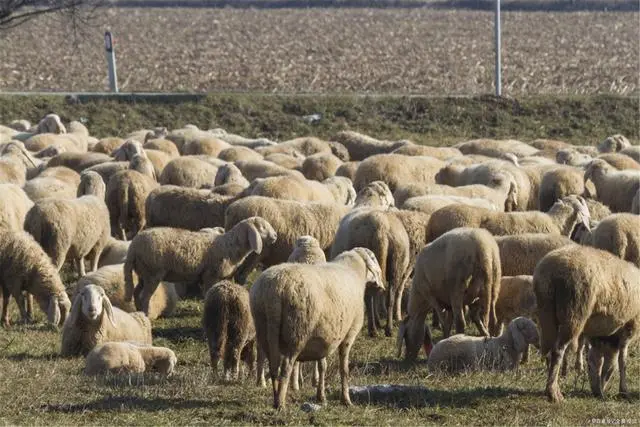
(388, 332)
(555, 395)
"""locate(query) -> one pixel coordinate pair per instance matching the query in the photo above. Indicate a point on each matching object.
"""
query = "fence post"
(111, 61)
(498, 49)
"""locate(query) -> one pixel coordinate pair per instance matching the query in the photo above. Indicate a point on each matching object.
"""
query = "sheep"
(209, 145)
(320, 166)
(230, 174)
(15, 162)
(93, 321)
(241, 141)
(130, 148)
(108, 145)
(74, 141)
(234, 154)
(114, 252)
(614, 188)
(307, 250)
(78, 161)
(290, 219)
(362, 146)
(562, 218)
(496, 147)
(338, 190)
(252, 169)
(430, 204)
(516, 299)
(597, 210)
(613, 144)
(306, 146)
(107, 169)
(442, 153)
(348, 170)
(633, 152)
(520, 253)
(180, 255)
(189, 172)
(322, 315)
(111, 279)
(21, 125)
(583, 291)
(466, 353)
(572, 157)
(461, 268)
(288, 161)
(561, 182)
(620, 161)
(126, 357)
(14, 205)
(620, 235)
(396, 169)
(163, 145)
(492, 174)
(188, 208)
(72, 228)
(59, 182)
(503, 192)
(228, 326)
(24, 267)
(126, 196)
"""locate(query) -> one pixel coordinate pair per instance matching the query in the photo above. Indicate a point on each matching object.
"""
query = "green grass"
(435, 121)
(38, 387)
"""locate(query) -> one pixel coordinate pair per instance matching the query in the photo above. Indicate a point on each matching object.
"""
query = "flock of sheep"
(536, 243)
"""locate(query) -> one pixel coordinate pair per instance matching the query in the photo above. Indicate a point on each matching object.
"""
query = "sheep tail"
(128, 276)
(124, 208)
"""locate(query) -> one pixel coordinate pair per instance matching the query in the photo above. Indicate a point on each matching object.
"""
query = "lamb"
(463, 352)
(362, 146)
(126, 196)
(180, 255)
(241, 141)
(25, 268)
(320, 166)
(189, 172)
(126, 357)
(209, 145)
(503, 192)
(613, 144)
(14, 205)
(72, 228)
(562, 219)
(93, 321)
(430, 204)
(442, 153)
(620, 235)
(15, 162)
(561, 182)
(107, 169)
(615, 188)
(230, 174)
(229, 328)
(59, 182)
(322, 315)
(461, 268)
(572, 157)
(583, 291)
(396, 169)
(289, 219)
(520, 253)
(111, 279)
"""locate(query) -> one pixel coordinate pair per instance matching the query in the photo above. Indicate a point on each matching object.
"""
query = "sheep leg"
(595, 362)
(249, 356)
(316, 374)
(391, 297)
(151, 284)
(525, 355)
(557, 355)
(30, 306)
(286, 369)
(274, 367)
(215, 358)
(474, 313)
(622, 366)
(95, 259)
(435, 319)
(81, 267)
(260, 380)
(379, 307)
(579, 366)
(22, 305)
(608, 367)
(296, 376)
(321, 369)
(5, 305)
(344, 349)
(369, 302)
(458, 317)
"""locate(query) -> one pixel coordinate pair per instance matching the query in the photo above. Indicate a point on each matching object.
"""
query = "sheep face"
(374, 273)
(91, 183)
(595, 169)
(165, 365)
(143, 165)
(523, 332)
(92, 301)
(58, 309)
(578, 206)
(128, 150)
(376, 193)
(14, 149)
(258, 232)
(448, 175)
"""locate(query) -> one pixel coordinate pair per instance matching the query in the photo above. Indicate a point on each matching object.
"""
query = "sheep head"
(595, 169)
(127, 150)
(91, 183)
(377, 194)
(92, 302)
(143, 165)
(229, 173)
(576, 210)
(255, 232)
(16, 148)
(613, 144)
(165, 365)
(51, 123)
(374, 273)
(58, 309)
(307, 242)
(509, 185)
(339, 150)
(449, 174)
(523, 332)
(408, 331)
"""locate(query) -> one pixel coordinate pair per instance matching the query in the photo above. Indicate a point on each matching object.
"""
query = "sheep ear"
(254, 238)
(108, 308)
(402, 332)
(53, 311)
(516, 335)
(76, 308)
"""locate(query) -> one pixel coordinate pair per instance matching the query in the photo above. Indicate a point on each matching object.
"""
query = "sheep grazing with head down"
(77, 228)
(228, 326)
(466, 353)
(185, 256)
(620, 235)
(305, 312)
(25, 268)
(93, 320)
(460, 268)
(128, 357)
(586, 291)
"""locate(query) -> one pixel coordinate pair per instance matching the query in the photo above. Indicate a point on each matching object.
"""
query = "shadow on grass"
(119, 403)
(179, 334)
(410, 396)
(18, 357)
(384, 366)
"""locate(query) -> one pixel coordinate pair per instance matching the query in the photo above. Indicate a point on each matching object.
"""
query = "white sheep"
(620, 235)
(396, 169)
(93, 320)
(14, 205)
(324, 312)
(59, 182)
(467, 353)
(128, 357)
(615, 189)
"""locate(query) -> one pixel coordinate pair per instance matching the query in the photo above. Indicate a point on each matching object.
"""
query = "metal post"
(111, 61)
(498, 48)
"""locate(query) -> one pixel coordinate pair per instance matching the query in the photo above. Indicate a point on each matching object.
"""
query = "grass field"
(41, 388)
(425, 51)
